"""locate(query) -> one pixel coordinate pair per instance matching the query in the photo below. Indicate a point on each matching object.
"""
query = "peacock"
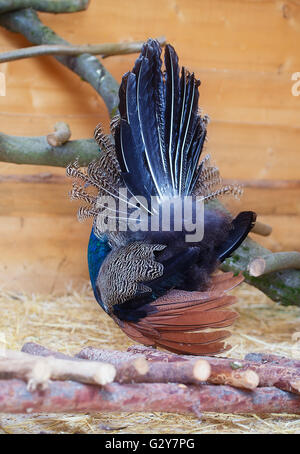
(159, 232)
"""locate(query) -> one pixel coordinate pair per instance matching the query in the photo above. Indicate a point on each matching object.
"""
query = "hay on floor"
(71, 322)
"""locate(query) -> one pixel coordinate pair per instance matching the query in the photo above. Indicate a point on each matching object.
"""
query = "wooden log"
(262, 229)
(228, 370)
(135, 368)
(274, 262)
(237, 373)
(37, 371)
(273, 359)
(114, 357)
(142, 371)
(71, 397)
(36, 349)
(168, 367)
(37, 151)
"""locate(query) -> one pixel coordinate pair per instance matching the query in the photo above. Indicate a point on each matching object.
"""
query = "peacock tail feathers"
(156, 142)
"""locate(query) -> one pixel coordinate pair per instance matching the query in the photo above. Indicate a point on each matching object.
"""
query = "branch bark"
(160, 368)
(37, 151)
(238, 373)
(38, 371)
(87, 66)
(274, 360)
(71, 397)
(136, 369)
(274, 262)
(280, 373)
(262, 229)
(49, 6)
(282, 286)
(140, 370)
(105, 50)
(222, 368)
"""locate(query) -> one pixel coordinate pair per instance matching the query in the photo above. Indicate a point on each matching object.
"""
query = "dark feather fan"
(160, 288)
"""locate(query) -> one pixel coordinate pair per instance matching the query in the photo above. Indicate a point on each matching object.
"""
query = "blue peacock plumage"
(160, 287)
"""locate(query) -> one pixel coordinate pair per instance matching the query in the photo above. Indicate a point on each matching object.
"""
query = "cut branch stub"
(274, 262)
(262, 229)
(60, 135)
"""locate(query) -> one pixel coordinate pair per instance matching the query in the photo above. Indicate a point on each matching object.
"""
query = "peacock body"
(155, 274)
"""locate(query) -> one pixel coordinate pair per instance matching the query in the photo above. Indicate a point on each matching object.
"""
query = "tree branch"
(262, 229)
(274, 262)
(62, 396)
(87, 66)
(38, 371)
(37, 151)
(72, 397)
(282, 286)
(223, 370)
(272, 359)
(105, 50)
(49, 6)
(182, 370)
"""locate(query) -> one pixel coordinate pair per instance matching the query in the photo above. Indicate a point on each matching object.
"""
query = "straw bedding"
(73, 321)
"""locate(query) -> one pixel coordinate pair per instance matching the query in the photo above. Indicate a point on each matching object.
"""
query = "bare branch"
(275, 360)
(87, 66)
(261, 229)
(37, 151)
(224, 371)
(49, 6)
(136, 369)
(105, 50)
(274, 262)
(38, 371)
(71, 397)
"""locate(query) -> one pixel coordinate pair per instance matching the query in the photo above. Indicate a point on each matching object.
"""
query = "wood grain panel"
(233, 34)
(43, 254)
(245, 151)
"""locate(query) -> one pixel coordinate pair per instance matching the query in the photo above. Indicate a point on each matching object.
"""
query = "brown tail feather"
(193, 338)
(221, 276)
(179, 308)
(179, 315)
(188, 349)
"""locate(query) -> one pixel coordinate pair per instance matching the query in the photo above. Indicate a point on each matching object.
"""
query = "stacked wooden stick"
(144, 379)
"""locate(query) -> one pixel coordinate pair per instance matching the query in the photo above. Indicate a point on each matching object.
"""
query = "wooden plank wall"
(244, 52)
